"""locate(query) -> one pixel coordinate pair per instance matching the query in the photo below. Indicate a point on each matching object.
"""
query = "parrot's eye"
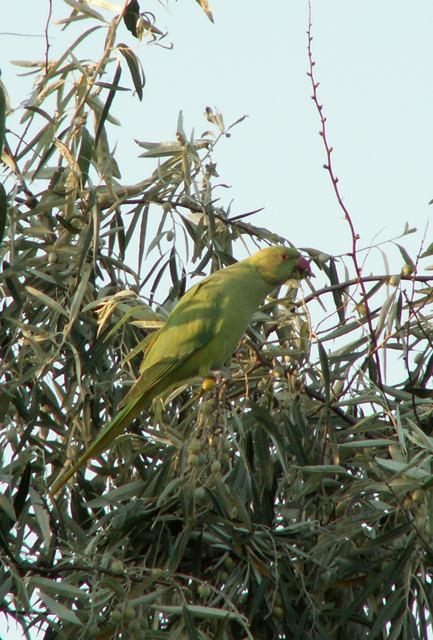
(284, 257)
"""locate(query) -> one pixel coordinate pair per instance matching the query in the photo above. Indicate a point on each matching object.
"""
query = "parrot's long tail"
(102, 442)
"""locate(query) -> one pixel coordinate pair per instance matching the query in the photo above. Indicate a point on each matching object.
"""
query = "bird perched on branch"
(199, 335)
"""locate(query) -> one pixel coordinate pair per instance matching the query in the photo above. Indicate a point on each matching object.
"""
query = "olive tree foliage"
(293, 499)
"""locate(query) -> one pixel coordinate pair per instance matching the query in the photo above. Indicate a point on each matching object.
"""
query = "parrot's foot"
(222, 375)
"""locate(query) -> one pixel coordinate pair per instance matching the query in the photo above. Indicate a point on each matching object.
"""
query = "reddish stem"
(373, 350)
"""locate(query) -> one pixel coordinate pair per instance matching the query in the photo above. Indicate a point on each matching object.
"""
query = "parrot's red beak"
(303, 265)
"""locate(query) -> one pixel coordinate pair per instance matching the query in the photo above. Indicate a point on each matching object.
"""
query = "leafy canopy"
(292, 501)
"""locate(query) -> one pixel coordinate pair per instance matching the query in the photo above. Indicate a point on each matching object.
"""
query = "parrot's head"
(278, 264)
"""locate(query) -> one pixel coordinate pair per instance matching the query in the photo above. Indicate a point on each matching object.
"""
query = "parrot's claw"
(223, 374)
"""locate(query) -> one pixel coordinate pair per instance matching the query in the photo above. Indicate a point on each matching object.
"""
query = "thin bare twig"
(335, 184)
(47, 41)
(348, 283)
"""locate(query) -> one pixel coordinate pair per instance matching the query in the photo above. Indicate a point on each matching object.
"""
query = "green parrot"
(200, 334)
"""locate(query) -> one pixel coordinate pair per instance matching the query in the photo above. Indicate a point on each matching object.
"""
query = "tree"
(292, 501)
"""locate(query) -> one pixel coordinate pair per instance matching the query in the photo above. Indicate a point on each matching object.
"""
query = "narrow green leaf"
(384, 313)
(177, 550)
(46, 300)
(5, 588)
(266, 421)
(7, 507)
(206, 8)
(293, 432)
(48, 151)
(59, 610)
(124, 492)
(384, 579)
(57, 587)
(3, 211)
(22, 493)
(42, 517)
(84, 10)
(131, 15)
(77, 300)
(387, 614)
(135, 69)
(258, 598)
(173, 266)
(428, 251)
(20, 588)
(158, 278)
(189, 624)
(171, 487)
(13, 284)
(143, 230)
(325, 370)
(406, 257)
(403, 468)
(399, 310)
(198, 611)
(108, 103)
(85, 155)
(326, 469)
(336, 293)
(3, 110)
(365, 444)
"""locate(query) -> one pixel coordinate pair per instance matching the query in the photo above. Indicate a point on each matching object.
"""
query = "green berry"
(135, 625)
(194, 446)
(156, 572)
(129, 613)
(200, 495)
(204, 590)
(417, 495)
(278, 613)
(193, 460)
(408, 502)
(117, 567)
(394, 281)
(116, 616)
(215, 466)
(227, 446)
(407, 270)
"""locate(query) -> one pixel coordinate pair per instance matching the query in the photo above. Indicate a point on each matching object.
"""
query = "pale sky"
(374, 62)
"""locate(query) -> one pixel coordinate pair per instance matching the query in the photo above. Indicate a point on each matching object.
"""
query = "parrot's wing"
(142, 347)
(146, 345)
(149, 378)
(193, 324)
